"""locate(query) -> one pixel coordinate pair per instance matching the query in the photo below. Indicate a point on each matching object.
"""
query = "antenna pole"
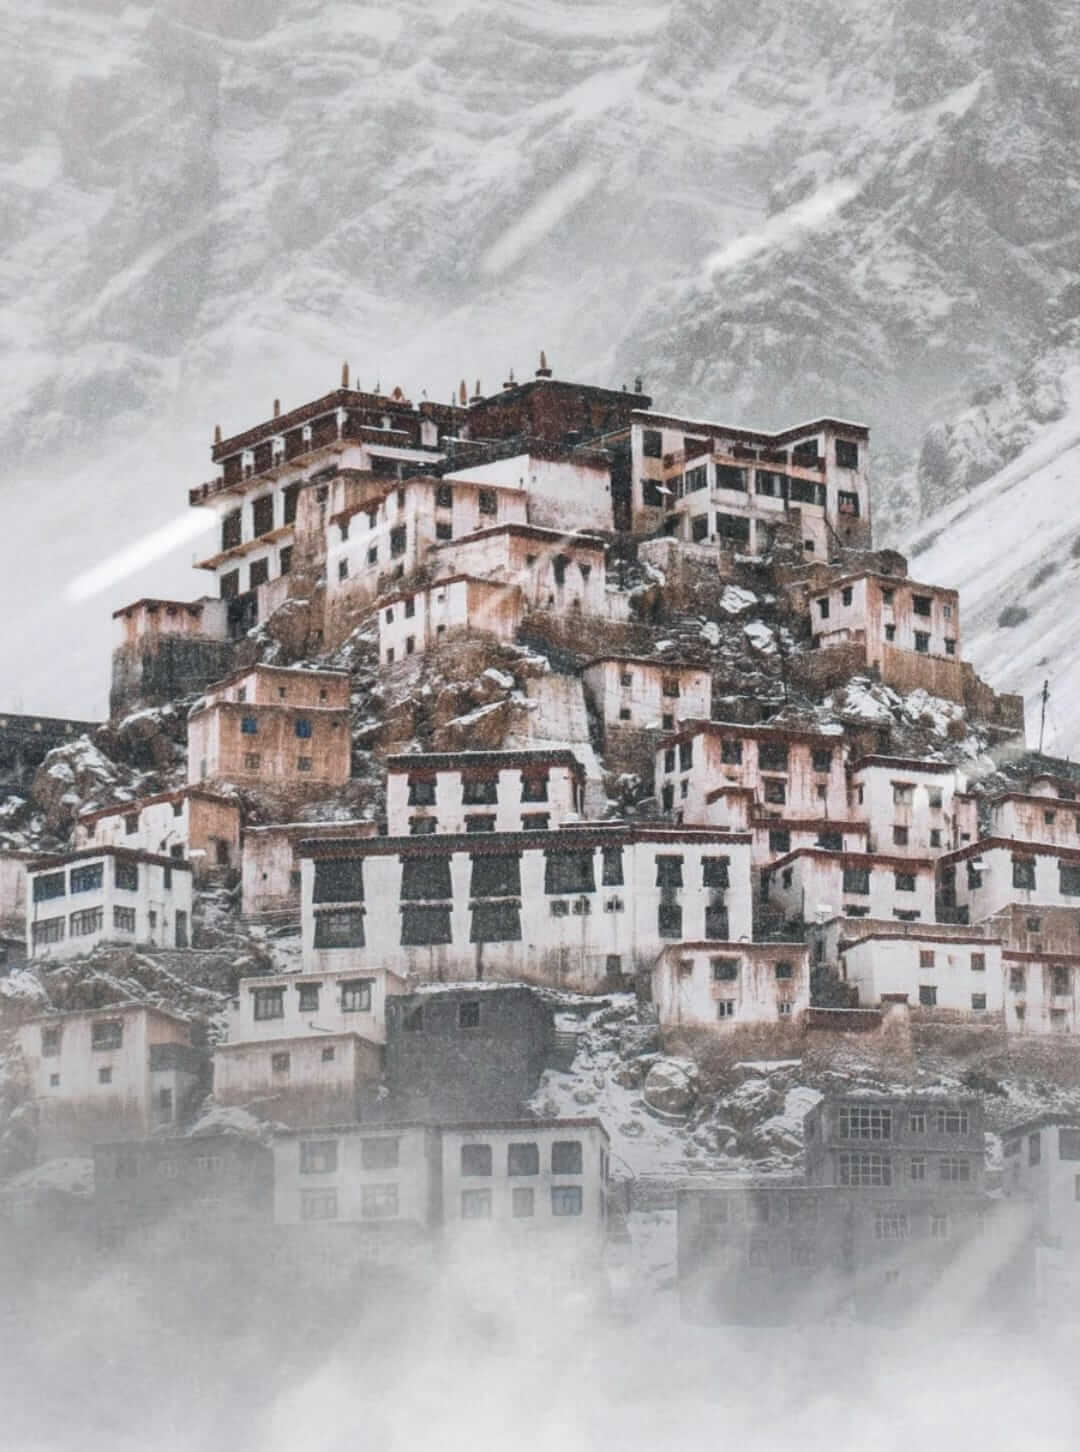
(1042, 716)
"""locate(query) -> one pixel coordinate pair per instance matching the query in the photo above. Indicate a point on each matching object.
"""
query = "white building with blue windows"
(107, 895)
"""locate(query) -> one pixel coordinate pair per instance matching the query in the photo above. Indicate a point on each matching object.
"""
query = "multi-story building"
(960, 977)
(118, 1072)
(266, 470)
(577, 908)
(912, 807)
(174, 1189)
(887, 614)
(415, 621)
(910, 1145)
(273, 725)
(107, 895)
(989, 876)
(270, 866)
(1041, 992)
(793, 776)
(306, 1048)
(734, 487)
(1041, 1173)
(536, 1185)
(467, 1052)
(643, 693)
(811, 883)
(166, 649)
(553, 570)
(727, 986)
(191, 825)
(482, 791)
(1036, 816)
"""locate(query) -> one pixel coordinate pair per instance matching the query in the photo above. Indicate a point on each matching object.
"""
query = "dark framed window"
(669, 871)
(480, 793)
(380, 1154)
(534, 787)
(857, 879)
(425, 924)
(338, 880)
(425, 877)
(522, 1159)
(496, 922)
(343, 928)
(568, 872)
(669, 920)
(107, 1034)
(495, 874)
(88, 879)
(476, 1159)
(356, 995)
(1023, 873)
(714, 872)
(612, 869)
(421, 791)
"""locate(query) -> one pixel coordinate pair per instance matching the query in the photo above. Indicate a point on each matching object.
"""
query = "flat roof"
(569, 837)
(194, 607)
(453, 760)
(927, 936)
(262, 666)
(759, 435)
(137, 805)
(385, 1126)
(894, 580)
(128, 854)
(592, 542)
(855, 859)
(903, 763)
(697, 726)
(384, 601)
(1012, 844)
(108, 1010)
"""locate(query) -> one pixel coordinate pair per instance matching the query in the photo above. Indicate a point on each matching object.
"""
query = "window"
(1059, 979)
(724, 970)
(303, 728)
(48, 930)
(262, 514)
(338, 881)
(104, 1076)
(566, 1157)
(522, 1159)
(652, 444)
(476, 1159)
(669, 871)
(775, 791)
(484, 792)
(1069, 875)
(1023, 873)
(566, 1200)
(328, 1054)
(279, 1063)
(535, 821)
(356, 995)
(487, 501)
(857, 880)
(780, 840)
(258, 573)
(469, 1015)
(922, 642)
(343, 928)
(917, 1121)
(318, 1205)
(900, 836)
(476, 1204)
(568, 872)
(926, 957)
(917, 1168)
(107, 1034)
(954, 1169)
(231, 527)
(444, 530)
(686, 755)
(669, 920)
(87, 879)
(928, 995)
(89, 920)
(890, 632)
(935, 836)
(398, 541)
(864, 1169)
(846, 595)
(725, 1008)
(268, 1003)
(731, 751)
(380, 1154)
(847, 457)
(864, 1121)
(784, 971)
(252, 760)
(477, 822)
(285, 559)
(822, 759)
(422, 826)
(421, 791)
(378, 1202)
(773, 756)
(50, 1043)
(716, 922)
(309, 997)
(978, 1002)
(497, 922)
(131, 823)
(1016, 980)
(249, 726)
(229, 585)
(523, 1202)
(890, 1225)
(953, 1121)
(714, 872)
(49, 886)
(905, 881)
(318, 1156)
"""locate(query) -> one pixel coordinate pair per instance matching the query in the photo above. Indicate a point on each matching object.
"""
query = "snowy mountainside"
(1011, 546)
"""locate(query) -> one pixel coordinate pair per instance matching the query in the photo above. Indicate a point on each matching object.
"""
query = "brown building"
(273, 726)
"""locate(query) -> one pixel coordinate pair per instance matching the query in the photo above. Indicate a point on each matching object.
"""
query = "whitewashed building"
(482, 791)
(415, 621)
(987, 876)
(1042, 991)
(881, 611)
(809, 884)
(117, 1072)
(726, 986)
(107, 895)
(792, 776)
(1036, 816)
(270, 866)
(645, 693)
(1041, 1169)
(191, 825)
(552, 569)
(962, 976)
(578, 908)
(912, 807)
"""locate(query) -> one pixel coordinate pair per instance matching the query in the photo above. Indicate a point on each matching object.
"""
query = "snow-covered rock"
(671, 1085)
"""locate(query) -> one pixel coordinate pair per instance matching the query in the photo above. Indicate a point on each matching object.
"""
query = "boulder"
(636, 1039)
(671, 1086)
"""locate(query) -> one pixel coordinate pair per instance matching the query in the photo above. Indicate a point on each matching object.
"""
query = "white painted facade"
(1038, 817)
(986, 877)
(107, 895)
(413, 622)
(309, 1079)
(13, 890)
(373, 1175)
(810, 884)
(961, 975)
(576, 908)
(879, 610)
(1042, 992)
(793, 775)
(118, 1072)
(563, 493)
(646, 694)
(725, 986)
(511, 791)
(1041, 1166)
(189, 825)
(298, 1005)
(271, 685)
(911, 807)
(552, 569)
(270, 865)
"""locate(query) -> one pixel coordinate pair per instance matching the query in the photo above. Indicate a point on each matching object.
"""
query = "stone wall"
(161, 668)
